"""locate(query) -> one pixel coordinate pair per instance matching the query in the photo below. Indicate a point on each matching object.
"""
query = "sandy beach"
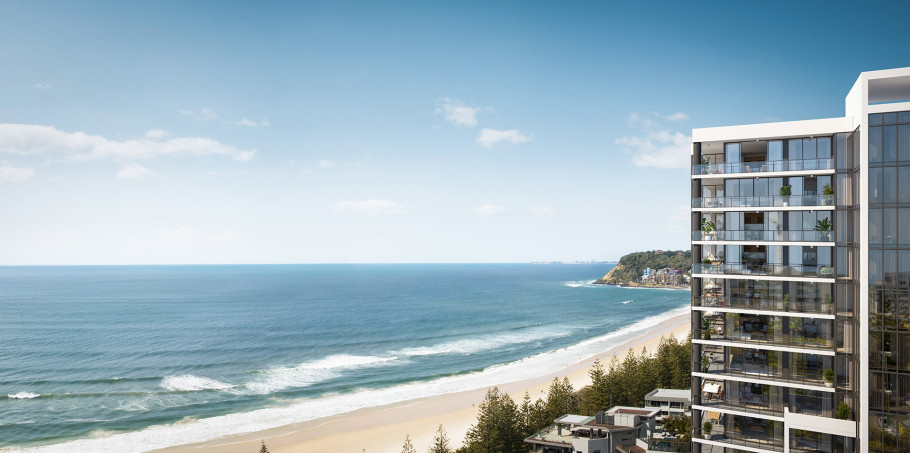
(383, 429)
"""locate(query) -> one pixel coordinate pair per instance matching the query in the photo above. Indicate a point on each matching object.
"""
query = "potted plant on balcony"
(829, 377)
(828, 191)
(825, 270)
(787, 302)
(830, 301)
(708, 228)
(706, 328)
(824, 227)
(843, 411)
(706, 428)
(785, 194)
(705, 363)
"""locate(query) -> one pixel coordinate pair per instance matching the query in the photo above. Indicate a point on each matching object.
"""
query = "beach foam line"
(206, 429)
(485, 343)
(190, 383)
(23, 396)
(313, 372)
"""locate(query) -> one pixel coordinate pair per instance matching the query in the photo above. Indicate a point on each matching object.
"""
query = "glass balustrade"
(727, 168)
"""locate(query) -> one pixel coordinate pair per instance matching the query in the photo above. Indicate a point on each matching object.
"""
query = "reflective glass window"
(732, 153)
(731, 187)
(875, 266)
(889, 226)
(841, 153)
(903, 142)
(823, 150)
(745, 188)
(795, 149)
(796, 186)
(889, 266)
(889, 176)
(809, 148)
(890, 118)
(875, 119)
(875, 226)
(903, 225)
(761, 188)
(903, 117)
(775, 150)
(889, 143)
(875, 144)
(875, 185)
(903, 184)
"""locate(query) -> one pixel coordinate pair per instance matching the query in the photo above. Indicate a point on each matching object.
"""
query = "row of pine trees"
(502, 424)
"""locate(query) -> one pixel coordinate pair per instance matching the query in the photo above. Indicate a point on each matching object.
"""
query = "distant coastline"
(669, 269)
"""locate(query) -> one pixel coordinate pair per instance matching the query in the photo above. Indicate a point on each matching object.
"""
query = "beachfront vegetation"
(440, 442)
(408, 447)
(502, 425)
(263, 448)
(630, 267)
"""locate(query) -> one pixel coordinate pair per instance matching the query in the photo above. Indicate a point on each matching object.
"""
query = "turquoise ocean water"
(132, 358)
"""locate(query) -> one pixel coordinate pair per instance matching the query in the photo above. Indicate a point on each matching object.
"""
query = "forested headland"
(631, 266)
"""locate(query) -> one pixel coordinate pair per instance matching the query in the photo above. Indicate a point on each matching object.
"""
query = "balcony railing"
(805, 341)
(795, 306)
(759, 404)
(763, 167)
(763, 202)
(779, 270)
(764, 235)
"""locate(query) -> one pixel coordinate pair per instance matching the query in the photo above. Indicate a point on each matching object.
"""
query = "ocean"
(134, 358)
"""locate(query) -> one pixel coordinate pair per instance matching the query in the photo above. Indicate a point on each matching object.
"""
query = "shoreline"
(383, 428)
(642, 285)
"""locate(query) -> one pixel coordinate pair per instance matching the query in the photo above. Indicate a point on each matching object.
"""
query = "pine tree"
(497, 429)
(561, 399)
(408, 447)
(440, 442)
(597, 395)
(263, 448)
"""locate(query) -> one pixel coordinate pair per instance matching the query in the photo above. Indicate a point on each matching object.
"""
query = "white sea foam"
(309, 373)
(627, 301)
(23, 395)
(184, 432)
(474, 345)
(190, 383)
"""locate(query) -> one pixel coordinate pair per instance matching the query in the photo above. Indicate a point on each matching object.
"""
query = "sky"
(393, 132)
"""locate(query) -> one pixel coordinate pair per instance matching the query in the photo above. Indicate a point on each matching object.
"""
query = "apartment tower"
(801, 280)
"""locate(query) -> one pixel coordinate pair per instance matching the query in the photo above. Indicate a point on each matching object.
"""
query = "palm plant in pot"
(785, 194)
(828, 191)
(824, 227)
(708, 228)
(706, 328)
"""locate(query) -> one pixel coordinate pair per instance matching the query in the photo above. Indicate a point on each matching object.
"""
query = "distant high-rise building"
(801, 280)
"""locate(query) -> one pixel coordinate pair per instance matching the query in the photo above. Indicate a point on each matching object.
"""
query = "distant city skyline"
(230, 132)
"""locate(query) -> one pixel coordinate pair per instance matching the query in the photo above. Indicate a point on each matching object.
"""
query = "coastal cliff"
(631, 266)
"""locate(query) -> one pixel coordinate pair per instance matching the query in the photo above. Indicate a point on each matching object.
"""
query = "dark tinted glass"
(890, 118)
(875, 119)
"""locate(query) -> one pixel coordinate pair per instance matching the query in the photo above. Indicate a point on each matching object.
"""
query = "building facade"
(801, 280)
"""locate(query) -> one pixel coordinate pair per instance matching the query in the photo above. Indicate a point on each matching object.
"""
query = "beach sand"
(382, 429)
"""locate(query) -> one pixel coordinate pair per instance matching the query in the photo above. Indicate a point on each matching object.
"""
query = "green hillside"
(631, 266)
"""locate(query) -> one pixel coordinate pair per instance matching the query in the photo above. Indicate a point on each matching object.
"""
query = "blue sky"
(228, 132)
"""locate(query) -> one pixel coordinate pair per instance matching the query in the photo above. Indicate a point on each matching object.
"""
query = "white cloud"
(250, 123)
(206, 114)
(133, 171)
(456, 112)
(542, 210)
(42, 86)
(369, 207)
(489, 209)
(678, 116)
(10, 173)
(31, 139)
(325, 164)
(656, 146)
(156, 133)
(490, 138)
